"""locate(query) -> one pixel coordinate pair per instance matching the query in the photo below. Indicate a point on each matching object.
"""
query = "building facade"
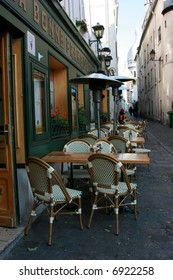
(154, 77)
(41, 50)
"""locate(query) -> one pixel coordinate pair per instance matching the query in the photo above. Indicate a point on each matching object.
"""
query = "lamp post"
(108, 59)
(98, 32)
(152, 55)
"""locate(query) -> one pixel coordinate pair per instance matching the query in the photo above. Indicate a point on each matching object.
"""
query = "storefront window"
(58, 99)
(40, 102)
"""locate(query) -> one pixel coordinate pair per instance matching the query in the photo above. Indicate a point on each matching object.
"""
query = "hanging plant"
(82, 24)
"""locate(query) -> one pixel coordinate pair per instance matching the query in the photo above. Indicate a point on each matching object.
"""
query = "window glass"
(58, 98)
(39, 102)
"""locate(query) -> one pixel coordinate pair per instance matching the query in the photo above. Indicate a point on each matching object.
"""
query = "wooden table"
(62, 157)
(127, 158)
(138, 140)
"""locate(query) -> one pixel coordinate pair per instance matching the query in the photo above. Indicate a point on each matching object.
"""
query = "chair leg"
(51, 219)
(32, 214)
(116, 209)
(135, 205)
(27, 228)
(80, 213)
(92, 210)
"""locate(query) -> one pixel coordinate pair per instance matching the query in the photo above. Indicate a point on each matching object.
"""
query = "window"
(159, 34)
(40, 104)
(58, 98)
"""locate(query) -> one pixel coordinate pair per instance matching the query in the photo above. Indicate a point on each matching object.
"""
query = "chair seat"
(130, 172)
(141, 150)
(122, 188)
(58, 194)
(77, 173)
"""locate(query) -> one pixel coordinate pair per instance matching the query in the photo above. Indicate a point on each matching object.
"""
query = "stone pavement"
(148, 238)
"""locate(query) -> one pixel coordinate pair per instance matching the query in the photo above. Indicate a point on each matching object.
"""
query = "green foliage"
(82, 24)
(105, 116)
(81, 116)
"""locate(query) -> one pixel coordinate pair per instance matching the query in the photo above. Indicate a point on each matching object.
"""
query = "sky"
(131, 15)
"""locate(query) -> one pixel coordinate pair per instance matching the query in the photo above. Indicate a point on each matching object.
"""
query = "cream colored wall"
(156, 99)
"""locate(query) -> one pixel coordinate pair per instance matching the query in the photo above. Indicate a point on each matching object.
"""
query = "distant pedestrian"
(130, 110)
(122, 116)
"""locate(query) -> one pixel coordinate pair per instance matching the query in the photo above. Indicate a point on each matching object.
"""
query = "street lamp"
(108, 59)
(98, 32)
(105, 57)
(152, 55)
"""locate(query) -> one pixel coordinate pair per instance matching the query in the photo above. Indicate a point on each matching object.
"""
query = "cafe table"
(125, 158)
(138, 140)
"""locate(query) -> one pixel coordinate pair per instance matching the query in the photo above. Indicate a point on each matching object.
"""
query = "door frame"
(8, 173)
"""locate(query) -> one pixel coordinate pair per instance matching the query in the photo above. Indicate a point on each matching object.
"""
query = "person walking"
(130, 110)
(122, 116)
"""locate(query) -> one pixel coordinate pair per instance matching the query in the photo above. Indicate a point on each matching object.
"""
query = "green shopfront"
(40, 51)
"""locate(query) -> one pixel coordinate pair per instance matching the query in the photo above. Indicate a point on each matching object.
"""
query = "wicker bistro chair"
(49, 190)
(121, 129)
(104, 172)
(88, 137)
(110, 125)
(122, 145)
(104, 146)
(130, 125)
(106, 129)
(95, 132)
(79, 171)
(130, 133)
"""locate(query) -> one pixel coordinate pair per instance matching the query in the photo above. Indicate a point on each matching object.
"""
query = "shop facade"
(40, 52)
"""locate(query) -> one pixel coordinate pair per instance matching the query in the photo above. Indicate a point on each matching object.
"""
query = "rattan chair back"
(88, 137)
(78, 146)
(95, 132)
(121, 144)
(121, 129)
(105, 177)
(130, 133)
(49, 190)
(106, 129)
(130, 125)
(104, 146)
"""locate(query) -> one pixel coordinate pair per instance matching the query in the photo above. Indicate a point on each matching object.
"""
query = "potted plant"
(105, 117)
(82, 25)
(59, 124)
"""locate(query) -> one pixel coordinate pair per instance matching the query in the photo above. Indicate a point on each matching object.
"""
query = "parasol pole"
(97, 100)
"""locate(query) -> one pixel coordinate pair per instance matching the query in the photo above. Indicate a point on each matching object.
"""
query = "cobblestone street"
(148, 238)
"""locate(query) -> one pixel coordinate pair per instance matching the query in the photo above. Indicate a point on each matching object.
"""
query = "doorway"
(11, 126)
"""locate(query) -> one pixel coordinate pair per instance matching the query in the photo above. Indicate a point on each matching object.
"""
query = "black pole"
(97, 100)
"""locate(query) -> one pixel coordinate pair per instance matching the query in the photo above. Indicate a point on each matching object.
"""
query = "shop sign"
(36, 13)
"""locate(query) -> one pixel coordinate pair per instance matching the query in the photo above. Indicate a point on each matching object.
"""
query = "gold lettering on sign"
(67, 46)
(22, 3)
(57, 34)
(61, 39)
(51, 26)
(44, 21)
(36, 12)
